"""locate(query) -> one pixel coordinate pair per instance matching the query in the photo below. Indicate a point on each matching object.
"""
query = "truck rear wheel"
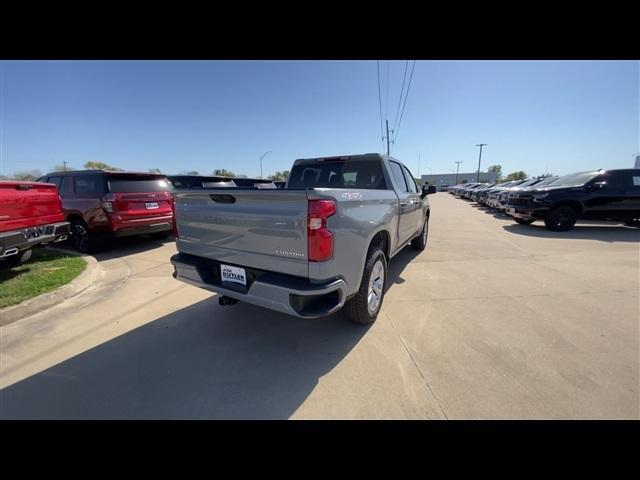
(420, 242)
(561, 219)
(364, 307)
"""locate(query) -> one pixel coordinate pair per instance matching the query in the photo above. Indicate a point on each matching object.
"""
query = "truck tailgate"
(263, 229)
(28, 204)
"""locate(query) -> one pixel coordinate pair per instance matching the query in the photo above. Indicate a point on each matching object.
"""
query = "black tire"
(14, 260)
(561, 219)
(357, 307)
(634, 222)
(524, 221)
(82, 238)
(420, 242)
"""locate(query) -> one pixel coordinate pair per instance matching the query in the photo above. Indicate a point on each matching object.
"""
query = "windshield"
(576, 179)
(547, 181)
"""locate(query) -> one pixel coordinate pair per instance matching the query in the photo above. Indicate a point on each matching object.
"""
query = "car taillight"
(320, 239)
(108, 202)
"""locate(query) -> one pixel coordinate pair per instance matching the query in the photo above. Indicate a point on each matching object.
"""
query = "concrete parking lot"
(493, 320)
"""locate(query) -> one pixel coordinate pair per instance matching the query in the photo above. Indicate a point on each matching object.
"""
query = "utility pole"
(419, 167)
(64, 162)
(261, 157)
(479, 159)
(457, 169)
(387, 137)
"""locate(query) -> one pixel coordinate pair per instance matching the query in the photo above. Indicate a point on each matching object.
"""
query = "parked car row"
(612, 195)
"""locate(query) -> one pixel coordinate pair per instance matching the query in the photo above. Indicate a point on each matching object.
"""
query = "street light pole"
(261, 157)
(479, 159)
(457, 170)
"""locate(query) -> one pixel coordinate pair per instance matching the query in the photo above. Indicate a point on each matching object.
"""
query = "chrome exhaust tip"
(10, 252)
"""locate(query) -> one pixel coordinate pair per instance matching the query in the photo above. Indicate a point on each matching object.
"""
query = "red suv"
(100, 204)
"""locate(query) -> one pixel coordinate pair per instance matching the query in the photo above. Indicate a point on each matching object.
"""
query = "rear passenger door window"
(398, 176)
(88, 185)
(411, 183)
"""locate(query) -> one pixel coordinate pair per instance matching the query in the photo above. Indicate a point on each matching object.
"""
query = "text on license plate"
(151, 205)
(233, 274)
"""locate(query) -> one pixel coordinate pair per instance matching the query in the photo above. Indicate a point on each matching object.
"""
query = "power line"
(380, 102)
(405, 102)
(404, 78)
(386, 107)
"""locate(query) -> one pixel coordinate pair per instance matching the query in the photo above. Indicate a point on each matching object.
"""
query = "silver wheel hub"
(376, 286)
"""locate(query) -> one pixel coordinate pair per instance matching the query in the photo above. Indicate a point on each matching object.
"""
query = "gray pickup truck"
(319, 244)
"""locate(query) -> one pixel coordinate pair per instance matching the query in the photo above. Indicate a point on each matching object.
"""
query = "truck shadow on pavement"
(120, 247)
(397, 265)
(602, 232)
(201, 362)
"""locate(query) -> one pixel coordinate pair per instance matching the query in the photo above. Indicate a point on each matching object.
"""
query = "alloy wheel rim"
(81, 237)
(376, 285)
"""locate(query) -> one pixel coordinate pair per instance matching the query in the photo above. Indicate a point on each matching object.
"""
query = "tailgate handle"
(223, 198)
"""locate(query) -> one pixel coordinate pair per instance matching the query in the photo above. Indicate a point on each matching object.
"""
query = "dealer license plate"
(233, 274)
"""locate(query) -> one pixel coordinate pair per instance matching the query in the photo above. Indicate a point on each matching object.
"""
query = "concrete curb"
(37, 304)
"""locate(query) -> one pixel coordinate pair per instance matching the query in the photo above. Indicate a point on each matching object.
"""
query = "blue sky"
(179, 115)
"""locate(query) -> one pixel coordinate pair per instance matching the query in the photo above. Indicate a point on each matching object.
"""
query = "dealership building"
(439, 179)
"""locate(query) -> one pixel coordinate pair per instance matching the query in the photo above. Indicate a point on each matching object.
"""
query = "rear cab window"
(360, 174)
(137, 184)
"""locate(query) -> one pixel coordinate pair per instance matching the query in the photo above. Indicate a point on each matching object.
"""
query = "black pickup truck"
(595, 195)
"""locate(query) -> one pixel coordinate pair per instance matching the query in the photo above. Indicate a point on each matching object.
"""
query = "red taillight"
(320, 239)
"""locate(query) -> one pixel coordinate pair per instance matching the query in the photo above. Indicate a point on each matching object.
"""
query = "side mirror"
(428, 189)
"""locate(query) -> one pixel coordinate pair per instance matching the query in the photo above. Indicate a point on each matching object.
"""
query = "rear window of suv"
(365, 174)
(137, 183)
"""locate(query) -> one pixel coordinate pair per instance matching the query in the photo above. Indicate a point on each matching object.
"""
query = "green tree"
(497, 169)
(189, 172)
(27, 175)
(519, 175)
(155, 170)
(280, 176)
(91, 165)
(223, 172)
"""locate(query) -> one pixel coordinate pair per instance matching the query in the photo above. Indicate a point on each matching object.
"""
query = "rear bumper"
(16, 241)
(283, 293)
(142, 226)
